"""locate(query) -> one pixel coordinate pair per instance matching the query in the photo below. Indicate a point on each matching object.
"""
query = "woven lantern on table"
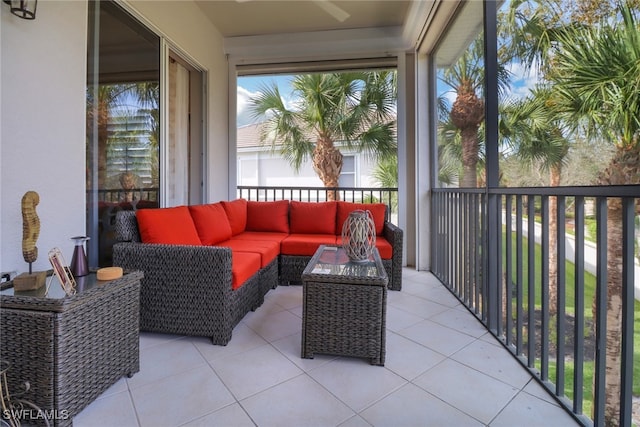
(359, 235)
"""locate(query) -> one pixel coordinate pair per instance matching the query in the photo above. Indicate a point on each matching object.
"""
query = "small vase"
(79, 266)
(359, 235)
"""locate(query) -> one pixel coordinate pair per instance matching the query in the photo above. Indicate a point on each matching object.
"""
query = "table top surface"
(331, 263)
(52, 296)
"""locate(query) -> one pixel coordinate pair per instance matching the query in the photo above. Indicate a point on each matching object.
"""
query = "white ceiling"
(268, 17)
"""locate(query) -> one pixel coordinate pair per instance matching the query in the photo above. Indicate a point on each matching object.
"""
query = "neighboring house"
(259, 165)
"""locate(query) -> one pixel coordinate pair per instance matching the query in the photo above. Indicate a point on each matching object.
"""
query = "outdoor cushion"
(243, 266)
(167, 225)
(237, 214)
(268, 250)
(211, 223)
(268, 216)
(261, 235)
(378, 211)
(312, 217)
(384, 247)
(305, 244)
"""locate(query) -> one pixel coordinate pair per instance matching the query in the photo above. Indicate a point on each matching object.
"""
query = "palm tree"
(386, 175)
(354, 109)
(597, 77)
(466, 78)
(461, 132)
(100, 109)
(534, 130)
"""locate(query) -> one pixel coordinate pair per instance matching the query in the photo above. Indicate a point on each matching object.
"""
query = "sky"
(250, 86)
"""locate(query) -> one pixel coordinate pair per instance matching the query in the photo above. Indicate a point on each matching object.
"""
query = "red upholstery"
(384, 247)
(268, 216)
(312, 217)
(237, 214)
(305, 244)
(261, 235)
(167, 225)
(378, 211)
(243, 266)
(257, 232)
(268, 250)
(211, 223)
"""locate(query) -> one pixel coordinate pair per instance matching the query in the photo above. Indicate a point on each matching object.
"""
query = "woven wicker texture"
(186, 290)
(126, 227)
(72, 349)
(344, 314)
(343, 319)
(394, 236)
(291, 267)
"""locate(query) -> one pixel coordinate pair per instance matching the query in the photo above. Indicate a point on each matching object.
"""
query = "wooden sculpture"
(30, 227)
(30, 233)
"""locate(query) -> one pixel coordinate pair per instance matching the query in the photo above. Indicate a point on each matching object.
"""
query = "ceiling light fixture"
(25, 9)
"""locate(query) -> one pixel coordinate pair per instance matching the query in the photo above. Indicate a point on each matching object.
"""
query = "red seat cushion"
(384, 247)
(211, 223)
(268, 250)
(378, 211)
(243, 266)
(312, 217)
(268, 216)
(305, 244)
(172, 226)
(261, 235)
(237, 214)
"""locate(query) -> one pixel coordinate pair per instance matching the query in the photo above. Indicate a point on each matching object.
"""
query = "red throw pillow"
(312, 217)
(237, 214)
(268, 216)
(378, 211)
(167, 225)
(211, 223)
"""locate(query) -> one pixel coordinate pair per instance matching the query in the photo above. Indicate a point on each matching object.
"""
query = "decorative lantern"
(359, 235)
(25, 9)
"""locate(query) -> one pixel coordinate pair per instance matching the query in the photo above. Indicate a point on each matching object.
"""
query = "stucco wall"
(43, 77)
(42, 121)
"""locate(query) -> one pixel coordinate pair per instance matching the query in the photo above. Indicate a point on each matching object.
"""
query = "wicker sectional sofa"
(206, 266)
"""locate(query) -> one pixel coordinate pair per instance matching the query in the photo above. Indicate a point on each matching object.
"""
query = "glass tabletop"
(333, 260)
(53, 290)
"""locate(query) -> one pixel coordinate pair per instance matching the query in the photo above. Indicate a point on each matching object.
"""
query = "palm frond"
(597, 78)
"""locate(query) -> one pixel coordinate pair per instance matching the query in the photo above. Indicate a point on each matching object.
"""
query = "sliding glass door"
(144, 149)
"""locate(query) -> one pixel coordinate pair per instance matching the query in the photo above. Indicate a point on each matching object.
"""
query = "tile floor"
(442, 368)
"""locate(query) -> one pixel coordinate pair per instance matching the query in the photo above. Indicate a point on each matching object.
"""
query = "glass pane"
(460, 100)
(543, 145)
(123, 125)
(348, 164)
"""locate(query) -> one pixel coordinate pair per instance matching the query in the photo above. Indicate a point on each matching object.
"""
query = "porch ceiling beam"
(317, 45)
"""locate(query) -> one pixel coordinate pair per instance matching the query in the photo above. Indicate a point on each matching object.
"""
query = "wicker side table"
(344, 306)
(71, 348)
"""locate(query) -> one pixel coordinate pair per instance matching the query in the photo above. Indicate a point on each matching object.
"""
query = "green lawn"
(589, 290)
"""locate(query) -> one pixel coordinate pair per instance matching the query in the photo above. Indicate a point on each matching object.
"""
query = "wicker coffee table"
(70, 349)
(344, 306)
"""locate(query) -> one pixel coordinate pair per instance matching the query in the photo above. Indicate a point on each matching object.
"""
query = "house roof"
(248, 136)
